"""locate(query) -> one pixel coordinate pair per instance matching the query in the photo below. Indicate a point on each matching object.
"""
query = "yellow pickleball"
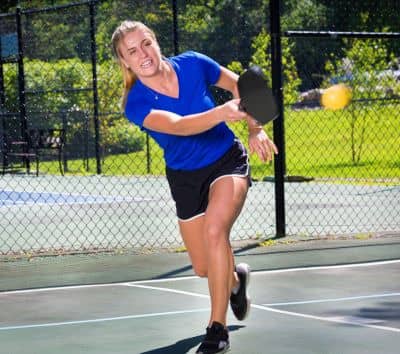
(336, 97)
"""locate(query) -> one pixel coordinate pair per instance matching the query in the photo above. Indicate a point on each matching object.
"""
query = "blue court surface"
(323, 298)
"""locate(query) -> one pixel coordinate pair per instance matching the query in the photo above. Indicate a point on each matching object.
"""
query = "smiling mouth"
(146, 64)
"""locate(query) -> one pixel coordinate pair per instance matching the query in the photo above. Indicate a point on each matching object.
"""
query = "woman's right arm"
(171, 123)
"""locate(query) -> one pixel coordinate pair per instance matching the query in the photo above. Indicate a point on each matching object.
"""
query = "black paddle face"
(256, 98)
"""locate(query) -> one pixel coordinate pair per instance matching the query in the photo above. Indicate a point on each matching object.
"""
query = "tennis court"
(314, 297)
(92, 261)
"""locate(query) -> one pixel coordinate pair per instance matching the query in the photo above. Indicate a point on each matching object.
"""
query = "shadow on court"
(185, 345)
(388, 310)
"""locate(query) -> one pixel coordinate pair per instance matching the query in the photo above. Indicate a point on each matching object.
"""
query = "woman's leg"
(193, 235)
(206, 239)
(226, 199)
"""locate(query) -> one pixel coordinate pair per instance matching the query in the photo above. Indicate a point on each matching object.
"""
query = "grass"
(318, 144)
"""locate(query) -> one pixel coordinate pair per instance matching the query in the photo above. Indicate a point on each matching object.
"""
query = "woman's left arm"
(259, 142)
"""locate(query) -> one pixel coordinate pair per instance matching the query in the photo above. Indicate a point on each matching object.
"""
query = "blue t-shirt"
(196, 72)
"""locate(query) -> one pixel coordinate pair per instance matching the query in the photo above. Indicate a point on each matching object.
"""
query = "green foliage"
(325, 156)
(236, 66)
(328, 153)
(364, 68)
(109, 84)
(261, 48)
(157, 14)
(305, 15)
(204, 27)
(10, 77)
(121, 137)
(65, 85)
(58, 86)
(58, 69)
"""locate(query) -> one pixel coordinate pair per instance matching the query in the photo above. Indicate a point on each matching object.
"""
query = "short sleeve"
(137, 109)
(210, 67)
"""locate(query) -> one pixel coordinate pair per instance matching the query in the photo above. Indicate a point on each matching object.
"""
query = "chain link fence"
(351, 154)
(342, 167)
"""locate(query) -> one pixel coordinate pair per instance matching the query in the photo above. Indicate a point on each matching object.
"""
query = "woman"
(206, 166)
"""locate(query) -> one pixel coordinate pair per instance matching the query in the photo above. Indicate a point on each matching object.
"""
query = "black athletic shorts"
(190, 189)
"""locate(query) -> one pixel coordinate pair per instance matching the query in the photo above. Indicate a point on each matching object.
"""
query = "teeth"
(146, 63)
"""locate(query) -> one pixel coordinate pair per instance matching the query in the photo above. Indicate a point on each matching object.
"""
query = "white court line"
(272, 271)
(326, 319)
(290, 313)
(260, 307)
(169, 290)
(349, 298)
(58, 288)
(328, 267)
(99, 320)
(284, 270)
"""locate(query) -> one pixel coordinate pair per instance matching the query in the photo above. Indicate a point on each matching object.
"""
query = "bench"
(39, 142)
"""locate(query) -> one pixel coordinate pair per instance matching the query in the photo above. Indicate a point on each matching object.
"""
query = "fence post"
(2, 110)
(176, 38)
(64, 124)
(148, 154)
(2, 88)
(95, 92)
(278, 124)
(21, 86)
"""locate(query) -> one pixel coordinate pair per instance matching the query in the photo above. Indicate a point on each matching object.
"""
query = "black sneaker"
(240, 302)
(215, 341)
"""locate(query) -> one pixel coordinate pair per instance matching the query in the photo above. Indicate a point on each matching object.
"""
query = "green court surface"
(322, 297)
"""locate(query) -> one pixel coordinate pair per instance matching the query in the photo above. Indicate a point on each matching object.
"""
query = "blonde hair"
(128, 75)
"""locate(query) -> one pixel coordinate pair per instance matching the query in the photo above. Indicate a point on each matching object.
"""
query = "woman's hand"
(260, 144)
(230, 112)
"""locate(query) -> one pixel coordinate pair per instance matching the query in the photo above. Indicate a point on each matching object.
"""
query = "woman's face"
(141, 53)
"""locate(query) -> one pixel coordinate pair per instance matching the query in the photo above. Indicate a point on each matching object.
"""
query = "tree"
(155, 14)
(204, 27)
(365, 69)
(306, 15)
(8, 5)
(261, 46)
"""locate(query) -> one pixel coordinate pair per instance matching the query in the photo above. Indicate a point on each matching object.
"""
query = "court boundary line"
(101, 320)
(259, 307)
(162, 280)
(290, 313)
(326, 319)
(285, 270)
(168, 290)
(349, 298)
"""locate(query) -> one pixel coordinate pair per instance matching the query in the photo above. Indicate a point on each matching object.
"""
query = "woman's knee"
(216, 233)
(200, 271)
